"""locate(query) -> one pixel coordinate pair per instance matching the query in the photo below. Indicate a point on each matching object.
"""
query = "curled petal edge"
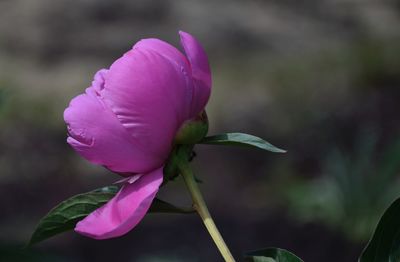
(123, 212)
(201, 72)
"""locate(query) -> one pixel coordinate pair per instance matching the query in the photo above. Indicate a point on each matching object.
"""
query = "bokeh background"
(318, 78)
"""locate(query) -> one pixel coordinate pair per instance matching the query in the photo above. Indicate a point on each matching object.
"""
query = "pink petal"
(98, 81)
(124, 211)
(97, 135)
(164, 49)
(150, 95)
(174, 56)
(200, 71)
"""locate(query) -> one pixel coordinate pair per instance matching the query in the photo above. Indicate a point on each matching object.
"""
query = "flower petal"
(163, 48)
(124, 211)
(97, 135)
(98, 81)
(150, 95)
(200, 71)
(173, 55)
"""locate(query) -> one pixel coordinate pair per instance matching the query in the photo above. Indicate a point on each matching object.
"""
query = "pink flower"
(128, 119)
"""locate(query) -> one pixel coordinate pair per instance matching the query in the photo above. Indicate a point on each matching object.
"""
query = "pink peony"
(128, 119)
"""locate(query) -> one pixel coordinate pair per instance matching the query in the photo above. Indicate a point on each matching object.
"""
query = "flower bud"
(193, 131)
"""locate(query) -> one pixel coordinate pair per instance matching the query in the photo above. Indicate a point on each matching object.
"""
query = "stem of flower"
(200, 206)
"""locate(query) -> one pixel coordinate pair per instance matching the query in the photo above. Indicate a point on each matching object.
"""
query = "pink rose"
(128, 119)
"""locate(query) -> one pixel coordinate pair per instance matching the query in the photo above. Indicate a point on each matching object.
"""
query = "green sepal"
(171, 170)
(193, 130)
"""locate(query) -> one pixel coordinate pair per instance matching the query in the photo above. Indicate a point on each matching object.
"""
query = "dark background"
(318, 78)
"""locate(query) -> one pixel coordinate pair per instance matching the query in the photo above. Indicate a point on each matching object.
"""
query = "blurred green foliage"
(354, 189)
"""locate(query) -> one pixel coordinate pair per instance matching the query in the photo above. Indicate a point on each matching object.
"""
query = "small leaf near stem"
(240, 139)
(200, 206)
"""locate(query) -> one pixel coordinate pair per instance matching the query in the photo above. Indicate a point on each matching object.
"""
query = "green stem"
(200, 206)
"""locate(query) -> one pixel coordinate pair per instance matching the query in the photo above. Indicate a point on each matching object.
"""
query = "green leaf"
(160, 206)
(384, 246)
(65, 215)
(240, 139)
(271, 254)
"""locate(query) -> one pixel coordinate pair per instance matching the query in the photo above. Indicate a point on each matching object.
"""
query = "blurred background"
(318, 78)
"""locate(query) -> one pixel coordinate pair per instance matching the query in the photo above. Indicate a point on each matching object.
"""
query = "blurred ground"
(319, 78)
